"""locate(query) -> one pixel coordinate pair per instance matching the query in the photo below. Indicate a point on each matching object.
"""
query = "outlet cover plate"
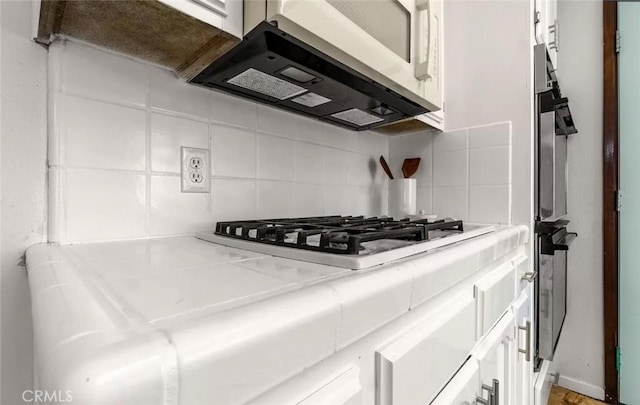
(195, 170)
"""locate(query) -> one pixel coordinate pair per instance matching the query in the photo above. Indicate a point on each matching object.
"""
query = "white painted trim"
(581, 387)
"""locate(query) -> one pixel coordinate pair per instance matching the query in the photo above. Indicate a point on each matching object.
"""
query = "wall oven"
(554, 124)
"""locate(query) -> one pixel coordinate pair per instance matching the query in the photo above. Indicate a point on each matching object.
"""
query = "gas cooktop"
(345, 241)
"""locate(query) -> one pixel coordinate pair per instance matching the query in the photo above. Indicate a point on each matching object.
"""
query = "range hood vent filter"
(357, 117)
(273, 67)
(311, 99)
(255, 80)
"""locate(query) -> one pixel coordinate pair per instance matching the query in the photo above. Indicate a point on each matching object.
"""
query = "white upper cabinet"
(546, 25)
(523, 347)
(223, 14)
(184, 36)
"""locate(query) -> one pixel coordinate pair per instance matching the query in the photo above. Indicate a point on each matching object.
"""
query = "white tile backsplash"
(275, 199)
(233, 151)
(102, 135)
(282, 123)
(275, 158)
(169, 94)
(172, 212)
(451, 201)
(361, 169)
(488, 136)
(168, 134)
(233, 110)
(309, 163)
(464, 174)
(116, 144)
(115, 154)
(450, 168)
(104, 205)
(308, 200)
(490, 204)
(336, 199)
(336, 166)
(451, 141)
(233, 199)
(489, 166)
(101, 75)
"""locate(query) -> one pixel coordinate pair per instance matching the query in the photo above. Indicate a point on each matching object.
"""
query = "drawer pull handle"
(529, 276)
(527, 351)
(492, 390)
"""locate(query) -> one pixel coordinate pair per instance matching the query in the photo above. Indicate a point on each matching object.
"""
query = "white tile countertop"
(181, 320)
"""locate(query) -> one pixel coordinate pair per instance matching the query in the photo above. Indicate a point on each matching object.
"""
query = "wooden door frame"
(609, 206)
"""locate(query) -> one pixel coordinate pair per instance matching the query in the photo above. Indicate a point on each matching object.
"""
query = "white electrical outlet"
(195, 170)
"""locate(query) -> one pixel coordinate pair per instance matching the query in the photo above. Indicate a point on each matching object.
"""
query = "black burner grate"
(333, 234)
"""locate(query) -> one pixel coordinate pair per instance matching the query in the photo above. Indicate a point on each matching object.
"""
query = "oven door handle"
(549, 244)
(567, 239)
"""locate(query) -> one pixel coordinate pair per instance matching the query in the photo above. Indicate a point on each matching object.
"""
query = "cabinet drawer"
(524, 271)
(413, 368)
(463, 387)
(494, 293)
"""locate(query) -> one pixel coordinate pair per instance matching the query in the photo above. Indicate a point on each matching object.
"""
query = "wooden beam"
(212, 50)
(609, 209)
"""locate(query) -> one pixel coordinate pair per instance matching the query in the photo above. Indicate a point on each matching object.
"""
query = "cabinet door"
(544, 379)
(523, 347)
(525, 274)
(494, 294)
(223, 14)
(495, 356)
(413, 368)
(463, 388)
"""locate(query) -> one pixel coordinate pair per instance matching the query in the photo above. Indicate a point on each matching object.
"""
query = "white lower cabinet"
(487, 377)
(494, 293)
(495, 356)
(500, 367)
(463, 388)
(524, 357)
(544, 379)
(414, 367)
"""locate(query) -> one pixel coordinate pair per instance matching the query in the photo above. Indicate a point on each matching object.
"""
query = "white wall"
(115, 135)
(23, 162)
(579, 357)
(488, 60)
(465, 174)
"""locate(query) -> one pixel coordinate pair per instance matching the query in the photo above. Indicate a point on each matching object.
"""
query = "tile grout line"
(256, 135)
(210, 163)
(148, 172)
(468, 177)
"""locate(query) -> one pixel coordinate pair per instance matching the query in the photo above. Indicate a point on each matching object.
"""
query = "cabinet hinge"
(618, 200)
(536, 17)
(618, 355)
(617, 41)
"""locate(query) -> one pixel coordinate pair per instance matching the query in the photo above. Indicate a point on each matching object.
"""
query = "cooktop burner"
(351, 235)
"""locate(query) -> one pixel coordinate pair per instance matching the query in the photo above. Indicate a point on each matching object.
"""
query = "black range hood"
(272, 67)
